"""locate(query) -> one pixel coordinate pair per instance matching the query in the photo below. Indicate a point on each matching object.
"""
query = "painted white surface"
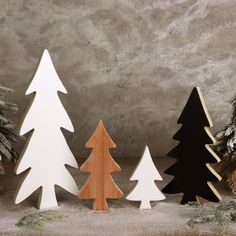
(47, 151)
(146, 189)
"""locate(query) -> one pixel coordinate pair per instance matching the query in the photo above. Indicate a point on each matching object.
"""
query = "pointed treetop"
(46, 78)
(146, 168)
(195, 111)
(100, 135)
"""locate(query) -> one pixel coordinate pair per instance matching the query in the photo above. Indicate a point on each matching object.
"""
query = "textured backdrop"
(131, 63)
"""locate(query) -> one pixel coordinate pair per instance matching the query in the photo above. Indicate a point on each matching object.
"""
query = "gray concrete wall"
(131, 63)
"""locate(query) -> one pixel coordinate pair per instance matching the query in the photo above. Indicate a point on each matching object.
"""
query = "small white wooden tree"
(146, 189)
(47, 151)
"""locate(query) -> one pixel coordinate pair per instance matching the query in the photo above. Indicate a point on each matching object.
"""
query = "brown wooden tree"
(100, 164)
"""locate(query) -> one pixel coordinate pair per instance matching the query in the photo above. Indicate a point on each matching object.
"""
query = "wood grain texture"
(193, 173)
(100, 164)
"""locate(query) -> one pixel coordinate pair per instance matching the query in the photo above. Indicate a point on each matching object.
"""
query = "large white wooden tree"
(146, 189)
(47, 153)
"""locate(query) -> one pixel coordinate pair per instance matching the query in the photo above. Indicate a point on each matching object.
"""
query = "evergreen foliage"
(8, 134)
(38, 220)
(226, 137)
(226, 147)
(221, 215)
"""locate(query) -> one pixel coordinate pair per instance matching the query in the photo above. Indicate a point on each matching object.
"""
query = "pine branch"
(14, 139)
(14, 154)
(5, 142)
(226, 137)
(6, 106)
(38, 220)
(9, 132)
(3, 120)
(4, 90)
(221, 215)
(9, 126)
(5, 152)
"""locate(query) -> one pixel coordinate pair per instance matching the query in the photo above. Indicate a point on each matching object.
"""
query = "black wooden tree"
(192, 173)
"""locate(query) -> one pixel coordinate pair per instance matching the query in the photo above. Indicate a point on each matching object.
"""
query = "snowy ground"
(124, 218)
